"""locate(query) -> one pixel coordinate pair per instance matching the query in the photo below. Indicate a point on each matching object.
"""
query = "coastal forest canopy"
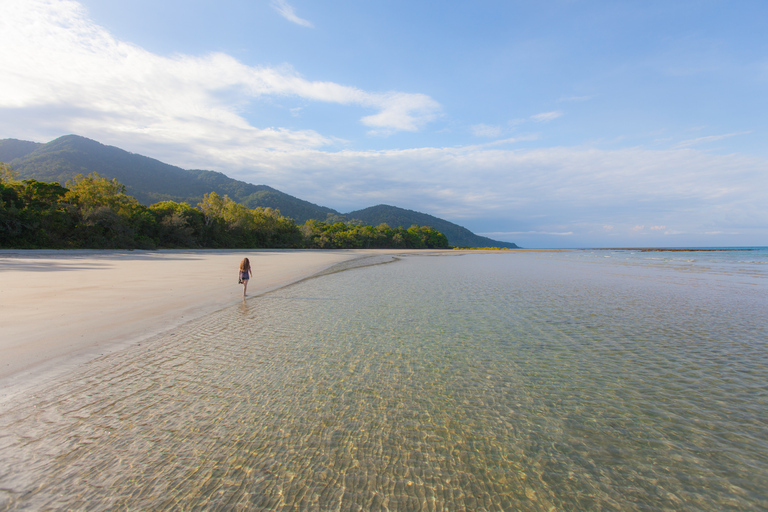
(96, 212)
(151, 181)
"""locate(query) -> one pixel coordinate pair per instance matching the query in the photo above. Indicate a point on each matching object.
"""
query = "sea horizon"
(656, 247)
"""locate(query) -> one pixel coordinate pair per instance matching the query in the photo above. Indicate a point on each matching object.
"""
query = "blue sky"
(547, 123)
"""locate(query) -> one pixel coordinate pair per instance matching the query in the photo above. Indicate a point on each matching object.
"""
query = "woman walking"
(245, 273)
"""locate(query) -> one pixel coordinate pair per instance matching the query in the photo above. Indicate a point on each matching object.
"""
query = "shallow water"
(545, 381)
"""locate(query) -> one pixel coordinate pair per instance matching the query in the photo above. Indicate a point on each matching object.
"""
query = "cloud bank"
(535, 188)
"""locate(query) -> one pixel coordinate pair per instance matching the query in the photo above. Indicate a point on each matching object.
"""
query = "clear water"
(544, 381)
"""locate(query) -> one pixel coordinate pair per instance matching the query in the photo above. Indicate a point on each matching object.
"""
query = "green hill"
(398, 217)
(151, 181)
(146, 179)
(11, 149)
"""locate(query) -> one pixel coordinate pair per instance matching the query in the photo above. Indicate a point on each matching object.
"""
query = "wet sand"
(59, 309)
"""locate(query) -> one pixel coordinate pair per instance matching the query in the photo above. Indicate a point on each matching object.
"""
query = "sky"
(548, 123)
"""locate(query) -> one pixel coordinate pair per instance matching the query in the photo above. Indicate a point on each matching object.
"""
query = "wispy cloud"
(503, 142)
(709, 138)
(576, 98)
(546, 116)
(287, 12)
(484, 130)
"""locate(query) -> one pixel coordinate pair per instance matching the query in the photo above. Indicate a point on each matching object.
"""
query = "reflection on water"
(482, 382)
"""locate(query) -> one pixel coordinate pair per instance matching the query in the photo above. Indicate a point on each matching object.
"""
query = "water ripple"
(473, 383)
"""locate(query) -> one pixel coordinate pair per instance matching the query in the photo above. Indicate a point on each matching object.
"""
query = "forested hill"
(148, 180)
(11, 149)
(151, 181)
(398, 217)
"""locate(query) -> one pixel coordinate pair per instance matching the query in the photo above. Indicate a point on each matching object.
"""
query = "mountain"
(11, 149)
(398, 217)
(151, 181)
(146, 179)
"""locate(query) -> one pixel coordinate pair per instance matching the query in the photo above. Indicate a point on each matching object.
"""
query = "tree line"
(95, 212)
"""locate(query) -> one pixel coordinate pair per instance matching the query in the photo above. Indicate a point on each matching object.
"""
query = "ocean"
(534, 381)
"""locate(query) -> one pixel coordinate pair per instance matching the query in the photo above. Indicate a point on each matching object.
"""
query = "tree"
(178, 224)
(95, 212)
(93, 191)
(32, 215)
(7, 175)
(109, 218)
(427, 237)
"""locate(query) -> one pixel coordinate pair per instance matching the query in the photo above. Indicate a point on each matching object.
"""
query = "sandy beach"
(59, 309)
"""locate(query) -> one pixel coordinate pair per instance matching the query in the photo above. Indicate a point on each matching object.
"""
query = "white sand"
(61, 308)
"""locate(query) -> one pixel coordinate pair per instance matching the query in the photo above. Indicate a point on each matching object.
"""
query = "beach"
(59, 309)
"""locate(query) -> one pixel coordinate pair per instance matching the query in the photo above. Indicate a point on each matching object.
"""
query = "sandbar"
(59, 309)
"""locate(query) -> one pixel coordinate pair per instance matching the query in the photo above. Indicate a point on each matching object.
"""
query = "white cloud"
(399, 111)
(287, 12)
(484, 130)
(504, 142)
(709, 138)
(546, 116)
(54, 57)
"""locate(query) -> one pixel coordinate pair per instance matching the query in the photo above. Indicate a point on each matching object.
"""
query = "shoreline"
(62, 308)
(670, 249)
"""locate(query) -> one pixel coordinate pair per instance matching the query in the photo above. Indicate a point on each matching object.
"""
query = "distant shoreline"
(634, 249)
(661, 249)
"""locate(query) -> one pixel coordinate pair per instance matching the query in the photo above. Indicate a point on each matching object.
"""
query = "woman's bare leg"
(245, 286)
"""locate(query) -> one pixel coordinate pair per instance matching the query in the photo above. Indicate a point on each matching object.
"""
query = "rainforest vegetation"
(95, 212)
